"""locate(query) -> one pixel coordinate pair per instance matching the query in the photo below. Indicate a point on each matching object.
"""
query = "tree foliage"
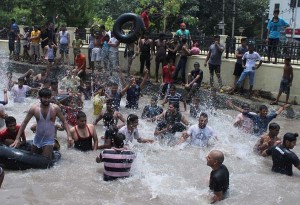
(199, 15)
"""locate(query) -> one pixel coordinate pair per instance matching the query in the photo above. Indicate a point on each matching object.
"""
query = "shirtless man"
(45, 114)
(84, 134)
(160, 46)
(116, 115)
(268, 140)
(146, 52)
(184, 53)
(286, 81)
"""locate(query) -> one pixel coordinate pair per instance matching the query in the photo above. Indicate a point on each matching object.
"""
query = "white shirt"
(200, 137)
(20, 93)
(129, 135)
(114, 41)
(251, 60)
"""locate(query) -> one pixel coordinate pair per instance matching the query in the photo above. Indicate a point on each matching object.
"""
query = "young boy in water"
(130, 130)
(117, 160)
(286, 81)
(8, 135)
(268, 140)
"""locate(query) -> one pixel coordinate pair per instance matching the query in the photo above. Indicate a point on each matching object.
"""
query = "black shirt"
(194, 73)
(219, 179)
(283, 159)
(151, 111)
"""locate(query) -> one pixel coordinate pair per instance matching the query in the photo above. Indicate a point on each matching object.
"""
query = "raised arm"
(95, 139)
(282, 108)
(29, 115)
(65, 124)
(144, 79)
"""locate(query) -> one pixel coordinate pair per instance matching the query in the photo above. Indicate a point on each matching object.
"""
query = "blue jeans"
(244, 74)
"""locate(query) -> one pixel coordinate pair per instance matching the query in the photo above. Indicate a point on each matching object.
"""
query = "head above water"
(215, 159)
(290, 136)
(119, 140)
(203, 120)
(10, 120)
(197, 65)
(263, 110)
(45, 93)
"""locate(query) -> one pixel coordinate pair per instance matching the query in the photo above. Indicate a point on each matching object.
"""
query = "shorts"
(214, 68)
(238, 69)
(63, 49)
(35, 49)
(96, 55)
(285, 86)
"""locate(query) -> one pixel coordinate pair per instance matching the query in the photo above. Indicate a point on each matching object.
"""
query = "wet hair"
(131, 118)
(273, 126)
(204, 114)
(21, 79)
(44, 92)
(173, 87)
(114, 84)
(80, 114)
(13, 20)
(54, 82)
(276, 11)
(173, 104)
(290, 137)
(46, 81)
(218, 37)
(155, 98)
(119, 140)
(109, 101)
(102, 27)
(263, 107)
(9, 120)
(197, 63)
(245, 105)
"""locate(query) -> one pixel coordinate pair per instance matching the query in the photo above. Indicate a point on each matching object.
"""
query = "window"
(293, 3)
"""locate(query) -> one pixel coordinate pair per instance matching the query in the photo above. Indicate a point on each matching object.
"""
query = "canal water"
(161, 174)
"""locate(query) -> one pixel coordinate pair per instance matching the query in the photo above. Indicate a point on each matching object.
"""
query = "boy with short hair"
(249, 60)
(286, 81)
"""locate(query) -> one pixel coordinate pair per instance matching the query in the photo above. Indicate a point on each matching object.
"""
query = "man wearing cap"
(282, 157)
(184, 33)
(194, 80)
(152, 110)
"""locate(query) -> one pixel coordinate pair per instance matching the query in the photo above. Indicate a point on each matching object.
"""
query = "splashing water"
(161, 174)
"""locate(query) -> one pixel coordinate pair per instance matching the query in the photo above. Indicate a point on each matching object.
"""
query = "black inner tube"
(137, 30)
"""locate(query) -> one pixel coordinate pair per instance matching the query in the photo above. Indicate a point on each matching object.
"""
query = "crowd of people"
(64, 100)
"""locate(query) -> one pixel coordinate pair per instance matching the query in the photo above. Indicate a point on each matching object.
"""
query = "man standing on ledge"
(219, 176)
(214, 61)
(45, 114)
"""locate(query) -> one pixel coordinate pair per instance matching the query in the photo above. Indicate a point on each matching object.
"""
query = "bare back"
(287, 72)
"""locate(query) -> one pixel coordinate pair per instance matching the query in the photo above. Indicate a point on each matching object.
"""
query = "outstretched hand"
(15, 144)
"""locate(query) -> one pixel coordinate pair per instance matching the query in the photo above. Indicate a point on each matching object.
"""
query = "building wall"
(267, 77)
(285, 11)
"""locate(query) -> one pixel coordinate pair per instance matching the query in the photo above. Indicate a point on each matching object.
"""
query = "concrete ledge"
(267, 77)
